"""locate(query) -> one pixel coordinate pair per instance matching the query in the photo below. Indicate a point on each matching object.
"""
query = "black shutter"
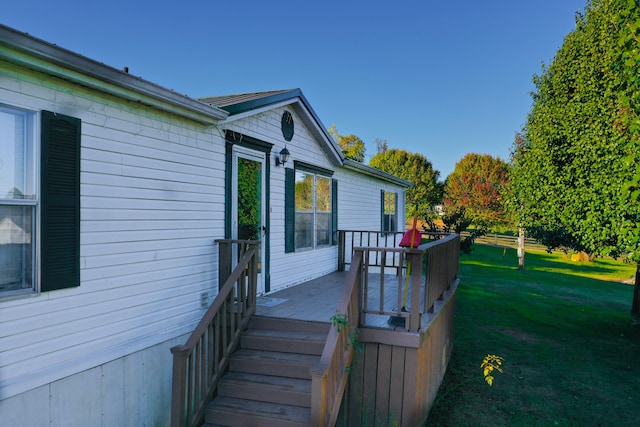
(60, 201)
(228, 167)
(382, 221)
(289, 210)
(334, 211)
(394, 224)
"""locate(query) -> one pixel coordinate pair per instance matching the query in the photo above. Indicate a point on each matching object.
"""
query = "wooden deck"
(317, 299)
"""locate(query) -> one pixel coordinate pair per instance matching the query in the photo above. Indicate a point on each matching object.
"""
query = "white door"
(248, 201)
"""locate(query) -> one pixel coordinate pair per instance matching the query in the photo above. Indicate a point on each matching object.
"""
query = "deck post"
(225, 252)
(179, 385)
(415, 316)
(341, 250)
(319, 392)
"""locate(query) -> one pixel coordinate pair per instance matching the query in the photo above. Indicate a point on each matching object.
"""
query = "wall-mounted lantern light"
(283, 157)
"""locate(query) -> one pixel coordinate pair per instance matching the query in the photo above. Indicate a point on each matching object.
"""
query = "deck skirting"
(396, 375)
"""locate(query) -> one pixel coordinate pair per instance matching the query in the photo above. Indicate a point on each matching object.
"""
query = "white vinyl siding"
(358, 198)
(152, 204)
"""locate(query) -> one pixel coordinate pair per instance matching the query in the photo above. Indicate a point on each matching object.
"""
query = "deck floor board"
(317, 299)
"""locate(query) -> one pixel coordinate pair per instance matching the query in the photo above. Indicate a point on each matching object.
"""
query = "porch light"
(282, 157)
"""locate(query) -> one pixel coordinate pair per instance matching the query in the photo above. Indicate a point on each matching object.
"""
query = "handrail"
(440, 259)
(329, 377)
(202, 360)
(348, 240)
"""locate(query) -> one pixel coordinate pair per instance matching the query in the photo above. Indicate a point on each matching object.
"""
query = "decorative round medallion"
(287, 126)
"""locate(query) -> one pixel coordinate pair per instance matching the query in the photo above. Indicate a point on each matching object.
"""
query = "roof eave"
(376, 173)
(27, 51)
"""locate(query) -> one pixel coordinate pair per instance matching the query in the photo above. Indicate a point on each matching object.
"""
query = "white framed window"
(389, 211)
(312, 210)
(18, 200)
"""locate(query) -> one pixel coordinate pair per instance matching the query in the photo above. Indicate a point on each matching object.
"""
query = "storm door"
(248, 201)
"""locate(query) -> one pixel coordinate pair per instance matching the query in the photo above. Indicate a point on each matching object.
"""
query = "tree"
(574, 169)
(381, 145)
(628, 20)
(413, 167)
(476, 184)
(352, 147)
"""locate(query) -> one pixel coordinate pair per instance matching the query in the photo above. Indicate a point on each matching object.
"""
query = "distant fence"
(506, 241)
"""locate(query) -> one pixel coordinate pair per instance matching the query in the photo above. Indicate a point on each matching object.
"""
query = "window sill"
(21, 294)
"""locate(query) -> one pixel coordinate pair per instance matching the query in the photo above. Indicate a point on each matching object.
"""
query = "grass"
(571, 350)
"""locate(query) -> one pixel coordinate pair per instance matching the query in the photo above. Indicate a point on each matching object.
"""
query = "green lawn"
(572, 353)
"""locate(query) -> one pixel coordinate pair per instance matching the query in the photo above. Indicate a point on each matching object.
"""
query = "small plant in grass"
(489, 364)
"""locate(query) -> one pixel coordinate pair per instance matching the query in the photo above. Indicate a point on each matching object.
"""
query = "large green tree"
(628, 20)
(416, 168)
(476, 184)
(352, 147)
(575, 163)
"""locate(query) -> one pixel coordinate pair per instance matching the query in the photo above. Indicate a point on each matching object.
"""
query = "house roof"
(240, 103)
(377, 173)
(25, 50)
(248, 104)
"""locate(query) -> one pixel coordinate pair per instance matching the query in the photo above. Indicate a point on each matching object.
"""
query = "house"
(116, 192)
(299, 204)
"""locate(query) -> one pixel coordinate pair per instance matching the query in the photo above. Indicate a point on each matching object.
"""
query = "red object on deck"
(413, 237)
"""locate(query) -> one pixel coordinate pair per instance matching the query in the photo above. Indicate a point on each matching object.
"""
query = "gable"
(245, 106)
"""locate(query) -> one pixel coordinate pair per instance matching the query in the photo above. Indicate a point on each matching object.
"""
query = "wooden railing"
(329, 377)
(431, 269)
(348, 240)
(199, 364)
(441, 261)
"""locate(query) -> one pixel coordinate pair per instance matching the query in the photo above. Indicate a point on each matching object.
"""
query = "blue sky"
(434, 77)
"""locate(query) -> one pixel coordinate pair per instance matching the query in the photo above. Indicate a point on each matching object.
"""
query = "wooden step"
(263, 322)
(228, 411)
(266, 388)
(269, 383)
(280, 364)
(286, 341)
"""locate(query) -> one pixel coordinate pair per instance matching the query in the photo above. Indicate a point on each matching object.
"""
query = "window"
(389, 211)
(54, 199)
(17, 200)
(310, 208)
(313, 210)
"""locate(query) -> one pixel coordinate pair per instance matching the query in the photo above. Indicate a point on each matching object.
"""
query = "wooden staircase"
(268, 383)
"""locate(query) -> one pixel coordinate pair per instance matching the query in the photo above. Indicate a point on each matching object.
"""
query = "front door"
(248, 202)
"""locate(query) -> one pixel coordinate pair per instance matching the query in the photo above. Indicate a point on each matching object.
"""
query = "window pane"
(323, 229)
(304, 191)
(16, 154)
(304, 229)
(16, 248)
(304, 210)
(323, 194)
(389, 203)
